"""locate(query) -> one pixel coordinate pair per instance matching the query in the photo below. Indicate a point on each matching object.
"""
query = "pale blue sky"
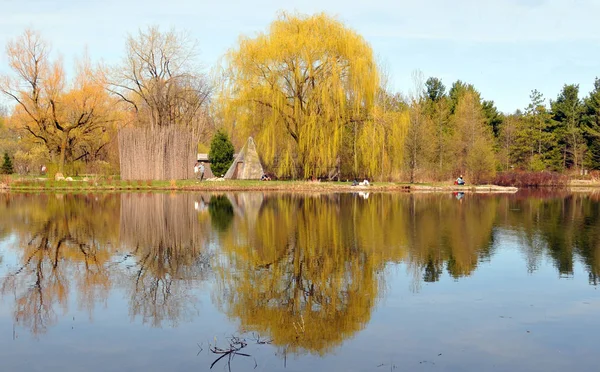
(505, 48)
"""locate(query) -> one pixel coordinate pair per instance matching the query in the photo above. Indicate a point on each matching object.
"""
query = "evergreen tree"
(457, 90)
(492, 117)
(541, 141)
(566, 116)
(591, 126)
(434, 89)
(221, 153)
(7, 167)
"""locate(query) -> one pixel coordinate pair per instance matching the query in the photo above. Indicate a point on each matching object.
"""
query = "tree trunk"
(63, 147)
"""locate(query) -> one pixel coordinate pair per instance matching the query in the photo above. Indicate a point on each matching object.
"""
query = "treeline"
(310, 92)
(457, 131)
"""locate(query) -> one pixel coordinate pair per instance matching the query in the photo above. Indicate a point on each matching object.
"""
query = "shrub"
(531, 179)
(221, 153)
(7, 166)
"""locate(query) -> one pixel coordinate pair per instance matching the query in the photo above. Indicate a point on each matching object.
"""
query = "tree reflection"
(296, 276)
(565, 227)
(167, 238)
(304, 270)
(221, 212)
(307, 272)
(62, 239)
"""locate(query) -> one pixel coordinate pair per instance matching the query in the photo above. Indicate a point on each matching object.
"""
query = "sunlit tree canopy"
(298, 87)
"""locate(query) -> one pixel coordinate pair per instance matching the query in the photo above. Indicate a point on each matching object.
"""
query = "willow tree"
(299, 89)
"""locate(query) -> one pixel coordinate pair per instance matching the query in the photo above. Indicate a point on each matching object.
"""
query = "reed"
(157, 153)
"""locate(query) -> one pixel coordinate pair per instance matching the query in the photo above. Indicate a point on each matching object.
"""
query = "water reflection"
(63, 241)
(307, 271)
(166, 239)
(297, 275)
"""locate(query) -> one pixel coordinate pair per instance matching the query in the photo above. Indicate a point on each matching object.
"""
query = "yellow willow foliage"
(297, 87)
(380, 144)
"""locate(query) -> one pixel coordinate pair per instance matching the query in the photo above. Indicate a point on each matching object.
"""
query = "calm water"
(337, 282)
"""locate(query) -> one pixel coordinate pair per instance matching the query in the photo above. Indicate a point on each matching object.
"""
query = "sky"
(505, 48)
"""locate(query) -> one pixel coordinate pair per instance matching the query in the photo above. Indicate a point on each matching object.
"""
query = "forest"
(308, 89)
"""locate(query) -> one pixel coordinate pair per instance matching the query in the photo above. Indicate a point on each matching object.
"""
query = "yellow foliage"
(297, 87)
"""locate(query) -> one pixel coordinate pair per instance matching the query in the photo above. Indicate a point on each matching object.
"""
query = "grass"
(37, 183)
(29, 184)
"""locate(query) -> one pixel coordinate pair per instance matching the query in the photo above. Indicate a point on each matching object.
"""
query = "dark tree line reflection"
(306, 270)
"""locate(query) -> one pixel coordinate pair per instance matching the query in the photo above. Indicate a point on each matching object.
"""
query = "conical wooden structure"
(246, 165)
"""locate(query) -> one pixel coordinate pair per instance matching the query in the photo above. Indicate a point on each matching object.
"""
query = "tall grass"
(156, 154)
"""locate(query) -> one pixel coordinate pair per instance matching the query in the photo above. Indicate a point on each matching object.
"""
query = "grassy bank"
(40, 184)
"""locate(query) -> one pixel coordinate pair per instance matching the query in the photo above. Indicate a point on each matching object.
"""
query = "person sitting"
(265, 177)
(459, 181)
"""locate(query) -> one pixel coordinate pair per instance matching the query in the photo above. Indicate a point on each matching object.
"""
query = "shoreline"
(212, 185)
(243, 185)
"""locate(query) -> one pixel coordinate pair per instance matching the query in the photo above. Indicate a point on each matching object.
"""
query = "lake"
(299, 282)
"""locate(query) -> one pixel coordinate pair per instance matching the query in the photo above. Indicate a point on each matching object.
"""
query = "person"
(459, 181)
(201, 171)
(43, 169)
(265, 177)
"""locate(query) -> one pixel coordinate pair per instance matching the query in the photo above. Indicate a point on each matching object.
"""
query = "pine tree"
(566, 116)
(7, 167)
(221, 153)
(591, 125)
(541, 140)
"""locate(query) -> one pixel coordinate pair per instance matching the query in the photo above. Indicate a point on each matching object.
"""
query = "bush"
(221, 153)
(531, 179)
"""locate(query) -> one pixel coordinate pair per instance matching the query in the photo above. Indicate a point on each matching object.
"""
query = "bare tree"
(159, 79)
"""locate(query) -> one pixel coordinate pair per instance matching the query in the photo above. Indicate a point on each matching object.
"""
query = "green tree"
(591, 125)
(221, 153)
(492, 117)
(538, 135)
(566, 115)
(434, 89)
(7, 167)
(457, 90)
